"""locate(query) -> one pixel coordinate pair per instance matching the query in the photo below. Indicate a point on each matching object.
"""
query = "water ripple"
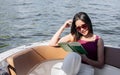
(5, 38)
(22, 4)
(26, 21)
(40, 34)
(2, 45)
(38, 14)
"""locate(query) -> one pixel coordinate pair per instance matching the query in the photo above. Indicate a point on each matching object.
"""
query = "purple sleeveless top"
(90, 47)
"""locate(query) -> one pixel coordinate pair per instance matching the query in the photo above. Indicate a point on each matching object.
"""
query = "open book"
(74, 46)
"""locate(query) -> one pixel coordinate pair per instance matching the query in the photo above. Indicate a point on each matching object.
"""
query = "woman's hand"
(84, 57)
(68, 23)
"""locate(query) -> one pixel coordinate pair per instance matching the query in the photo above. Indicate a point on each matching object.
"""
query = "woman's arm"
(100, 62)
(56, 38)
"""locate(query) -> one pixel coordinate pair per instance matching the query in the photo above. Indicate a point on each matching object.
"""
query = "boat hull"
(24, 62)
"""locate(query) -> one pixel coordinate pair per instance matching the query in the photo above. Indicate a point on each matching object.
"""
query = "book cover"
(74, 46)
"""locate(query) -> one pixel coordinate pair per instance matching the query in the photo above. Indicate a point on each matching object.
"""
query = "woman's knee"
(72, 63)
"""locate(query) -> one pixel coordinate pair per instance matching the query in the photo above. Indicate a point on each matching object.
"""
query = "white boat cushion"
(47, 68)
(53, 67)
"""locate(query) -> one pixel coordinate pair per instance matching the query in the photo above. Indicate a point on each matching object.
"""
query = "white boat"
(41, 59)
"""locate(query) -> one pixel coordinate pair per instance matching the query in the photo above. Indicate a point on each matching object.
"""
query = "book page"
(65, 46)
(73, 46)
(77, 47)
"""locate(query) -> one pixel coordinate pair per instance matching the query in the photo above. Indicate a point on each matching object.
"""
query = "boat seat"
(50, 67)
(53, 67)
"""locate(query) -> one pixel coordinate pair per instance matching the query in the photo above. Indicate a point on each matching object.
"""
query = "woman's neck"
(90, 35)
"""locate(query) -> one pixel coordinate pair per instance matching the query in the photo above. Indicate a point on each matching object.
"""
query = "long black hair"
(85, 18)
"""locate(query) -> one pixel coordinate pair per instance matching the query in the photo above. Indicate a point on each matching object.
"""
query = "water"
(28, 21)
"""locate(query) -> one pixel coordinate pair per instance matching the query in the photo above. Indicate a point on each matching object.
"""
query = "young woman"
(82, 32)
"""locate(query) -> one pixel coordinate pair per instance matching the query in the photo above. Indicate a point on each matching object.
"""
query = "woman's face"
(81, 27)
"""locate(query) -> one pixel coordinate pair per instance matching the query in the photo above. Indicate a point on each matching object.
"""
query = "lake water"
(28, 21)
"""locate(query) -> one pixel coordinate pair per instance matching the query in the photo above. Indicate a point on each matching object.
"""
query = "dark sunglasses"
(84, 26)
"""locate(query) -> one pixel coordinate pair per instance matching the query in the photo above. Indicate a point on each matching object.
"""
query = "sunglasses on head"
(84, 26)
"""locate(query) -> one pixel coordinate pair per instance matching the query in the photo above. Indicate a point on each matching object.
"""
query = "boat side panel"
(23, 61)
(107, 70)
(49, 52)
(112, 56)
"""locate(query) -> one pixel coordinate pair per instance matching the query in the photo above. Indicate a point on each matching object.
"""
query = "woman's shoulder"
(67, 38)
(71, 37)
(97, 36)
(68, 35)
(99, 39)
